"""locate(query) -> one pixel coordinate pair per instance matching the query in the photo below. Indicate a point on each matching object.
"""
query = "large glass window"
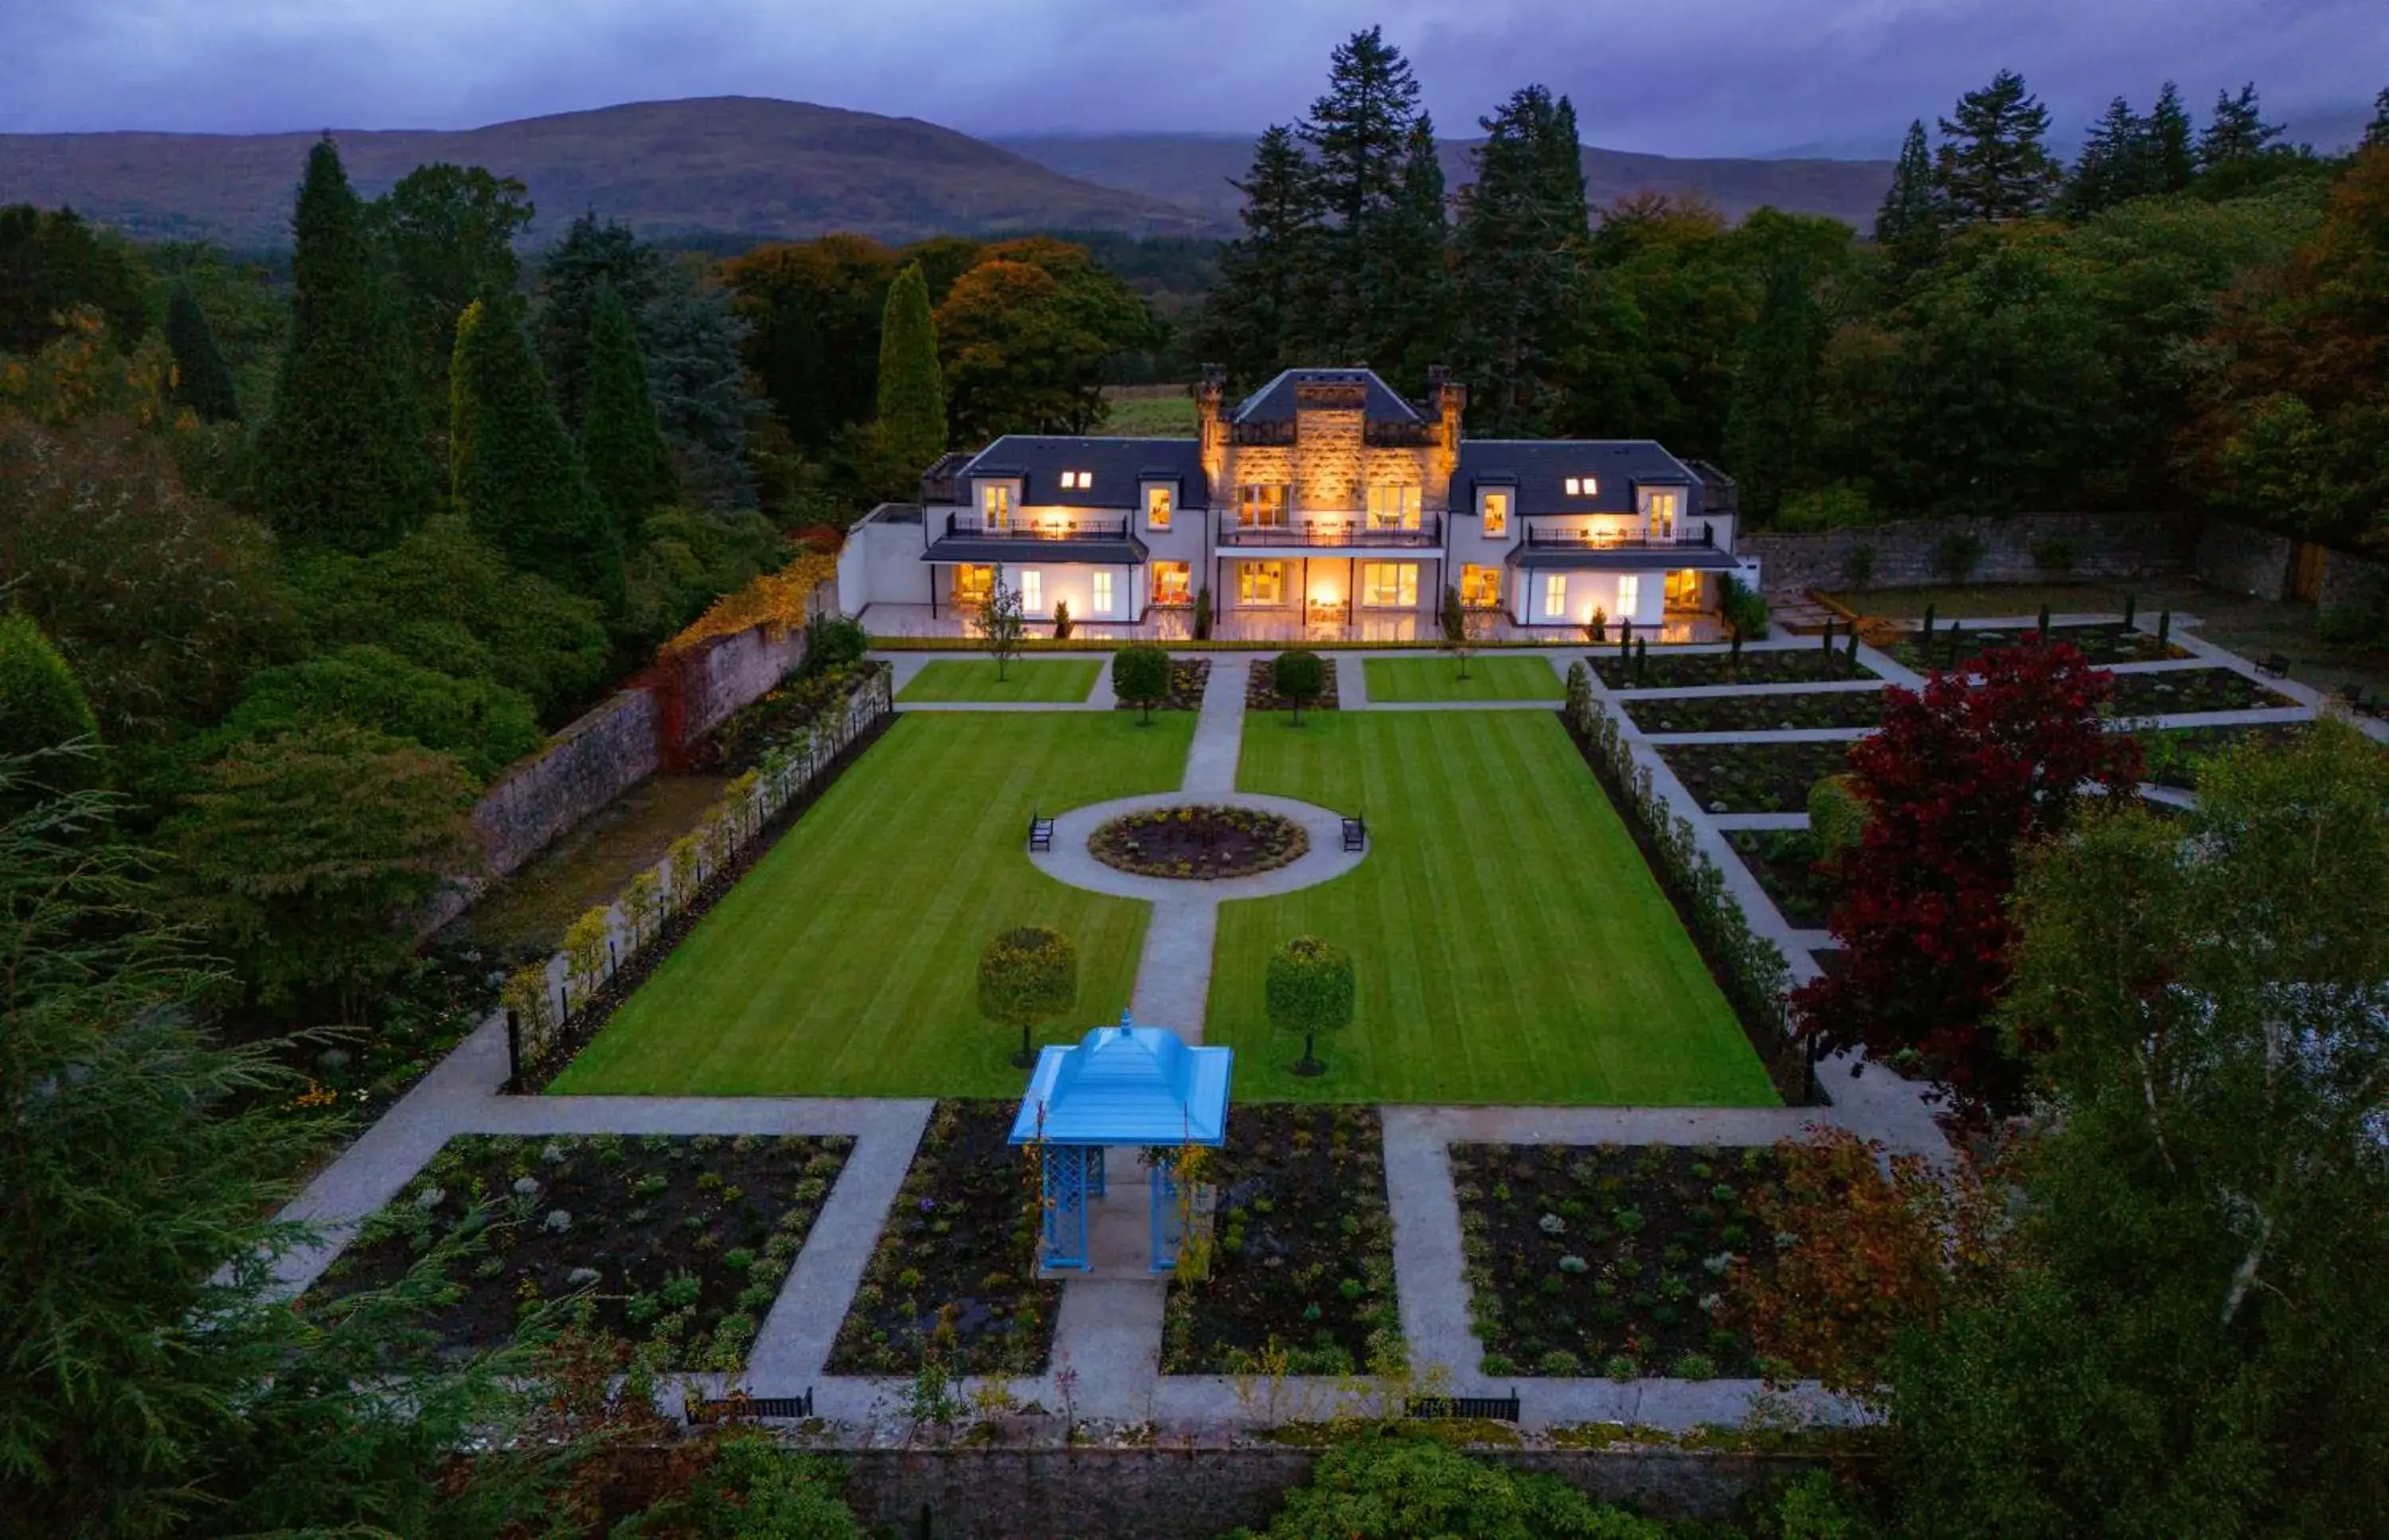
(1103, 596)
(1556, 596)
(1388, 585)
(973, 584)
(1393, 507)
(995, 504)
(1260, 582)
(1659, 512)
(1629, 595)
(1156, 508)
(1173, 582)
(1262, 506)
(1480, 587)
(1497, 515)
(1032, 591)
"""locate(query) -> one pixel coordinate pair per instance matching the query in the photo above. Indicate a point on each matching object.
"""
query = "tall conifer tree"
(628, 465)
(2376, 133)
(521, 484)
(2237, 131)
(1993, 165)
(341, 458)
(2170, 151)
(1908, 226)
(1770, 428)
(1408, 284)
(1358, 134)
(2113, 166)
(1256, 320)
(202, 382)
(912, 390)
(1522, 245)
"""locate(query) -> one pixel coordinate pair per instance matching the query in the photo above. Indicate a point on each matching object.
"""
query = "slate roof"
(1127, 1085)
(1118, 465)
(1537, 468)
(1274, 402)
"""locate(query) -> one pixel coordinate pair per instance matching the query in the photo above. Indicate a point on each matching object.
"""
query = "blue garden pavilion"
(1125, 1085)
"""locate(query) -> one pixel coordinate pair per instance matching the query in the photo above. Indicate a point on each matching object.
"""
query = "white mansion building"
(1321, 505)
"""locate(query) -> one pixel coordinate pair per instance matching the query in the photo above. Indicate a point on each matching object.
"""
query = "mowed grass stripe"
(1511, 945)
(844, 964)
(1399, 680)
(973, 679)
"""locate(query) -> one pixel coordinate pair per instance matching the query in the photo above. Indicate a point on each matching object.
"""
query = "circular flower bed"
(1199, 842)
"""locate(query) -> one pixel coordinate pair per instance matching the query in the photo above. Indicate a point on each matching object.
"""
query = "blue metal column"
(1095, 1172)
(1168, 1228)
(1065, 1168)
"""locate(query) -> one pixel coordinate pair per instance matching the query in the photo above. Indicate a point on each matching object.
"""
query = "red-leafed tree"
(1961, 778)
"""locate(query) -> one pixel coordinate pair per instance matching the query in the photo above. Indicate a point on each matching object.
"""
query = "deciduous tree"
(1001, 623)
(1298, 675)
(1027, 978)
(485, 726)
(1308, 989)
(1141, 677)
(52, 263)
(447, 234)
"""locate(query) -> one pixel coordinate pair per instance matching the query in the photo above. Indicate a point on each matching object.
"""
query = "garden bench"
(1356, 834)
(1040, 833)
(738, 1407)
(2274, 665)
(1491, 1408)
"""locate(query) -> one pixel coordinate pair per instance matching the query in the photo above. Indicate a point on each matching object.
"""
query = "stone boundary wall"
(2244, 559)
(2348, 579)
(1182, 1493)
(2105, 545)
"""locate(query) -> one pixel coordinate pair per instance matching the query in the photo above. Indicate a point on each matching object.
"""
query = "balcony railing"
(1353, 532)
(974, 527)
(1577, 540)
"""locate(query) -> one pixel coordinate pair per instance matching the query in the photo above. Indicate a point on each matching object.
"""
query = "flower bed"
(1201, 842)
(778, 716)
(2170, 690)
(681, 1242)
(1260, 688)
(1784, 861)
(1188, 678)
(1607, 1259)
(2107, 642)
(1684, 670)
(957, 1263)
(1300, 1259)
(1754, 777)
(1758, 713)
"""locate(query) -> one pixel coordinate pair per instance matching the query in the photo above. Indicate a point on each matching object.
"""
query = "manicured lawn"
(1510, 943)
(843, 965)
(1396, 680)
(1027, 679)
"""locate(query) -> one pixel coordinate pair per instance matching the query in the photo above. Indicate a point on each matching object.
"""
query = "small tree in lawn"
(1027, 976)
(1310, 990)
(1141, 677)
(1464, 629)
(1002, 624)
(1299, 675)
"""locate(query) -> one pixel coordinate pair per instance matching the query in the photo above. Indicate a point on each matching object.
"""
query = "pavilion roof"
(1127, 1085)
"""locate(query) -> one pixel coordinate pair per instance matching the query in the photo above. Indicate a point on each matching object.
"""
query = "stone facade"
(1163, 1494)
(1909, 554)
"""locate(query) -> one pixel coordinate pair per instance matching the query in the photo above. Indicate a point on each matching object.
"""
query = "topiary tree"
(1203, 613)
(1063, 624)
(1310, 990)
(1141, 677)
(1298, 676)
(1027, 976)
(1837, 815)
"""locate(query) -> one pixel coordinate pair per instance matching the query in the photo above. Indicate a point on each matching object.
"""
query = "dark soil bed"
(1260, 688)
(1199, 842)
(1299, 1274)
(1784, 861)
(1188, 676)
(774, 718)
(1683, 671)
(679, 1241)
(1758, 713)
(2110, 642)
(1754, 777)
(2169, 691)
(1610, 1260)
(956, 1266)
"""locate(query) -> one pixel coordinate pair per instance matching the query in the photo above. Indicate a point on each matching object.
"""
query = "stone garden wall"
(1163, 1494)
(2018, 548)
(2244, 559)
(2348, 579)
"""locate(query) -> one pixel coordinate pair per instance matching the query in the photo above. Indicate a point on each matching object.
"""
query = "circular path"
(1070, 862)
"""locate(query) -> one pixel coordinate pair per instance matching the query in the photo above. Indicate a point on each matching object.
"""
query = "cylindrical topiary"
(1310, 989)
(1027, 976)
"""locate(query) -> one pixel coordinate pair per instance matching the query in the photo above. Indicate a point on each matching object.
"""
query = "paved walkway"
(1219, 728)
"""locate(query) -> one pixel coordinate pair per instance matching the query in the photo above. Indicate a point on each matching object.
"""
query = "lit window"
(1393, 507)
(1556, 596)
(1629, 597)
(1103, 583)
(1260, 582)
(1173, 582)
(1032, 591)
(1480, 587)
(1077, 481)
(1660, 509)
(1497, 514)
(1390, 584)
(1157, 507)
(995, 503)
(1262, 506)
(1583, 485)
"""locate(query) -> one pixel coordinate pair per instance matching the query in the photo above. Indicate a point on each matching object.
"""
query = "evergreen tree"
(1359, 136)
(1992, 165)
(630, 468)
(460, 402)
(1908, 226)
(1522, 246)
(2237, 131)
(521, 484)
(2113, 167)
(1771, 427)
(592, 255)
(1256, 318)
(201, 380)
(2168, 152)
(912, 391)
(1408, 282)
(2376, 133)
(42, 707)
(340, 459)
(447, 235)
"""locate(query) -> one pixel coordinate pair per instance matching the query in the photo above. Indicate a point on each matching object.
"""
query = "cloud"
(1681, 76)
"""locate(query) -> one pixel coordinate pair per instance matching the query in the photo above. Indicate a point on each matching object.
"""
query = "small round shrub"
(1837, 815)
(1697, 1366)
(1620, 1367)
(1559, 1363)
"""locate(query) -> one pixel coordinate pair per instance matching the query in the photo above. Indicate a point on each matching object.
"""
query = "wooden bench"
(1356, 834)
(1040, 833)
(2274, 665)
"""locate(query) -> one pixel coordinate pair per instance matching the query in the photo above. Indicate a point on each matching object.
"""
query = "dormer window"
(1582, 486)
(995, 504)
(1156, 508)
(1497, 515)
(1077, 481)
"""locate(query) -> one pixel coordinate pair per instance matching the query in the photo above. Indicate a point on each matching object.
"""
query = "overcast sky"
(1673, 76)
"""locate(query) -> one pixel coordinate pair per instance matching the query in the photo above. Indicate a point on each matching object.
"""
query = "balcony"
(1577, 540)
(1342, 533)
(973, 527)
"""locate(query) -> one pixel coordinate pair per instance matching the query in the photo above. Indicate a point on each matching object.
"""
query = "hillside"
(735, 164)
(1192, 171)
